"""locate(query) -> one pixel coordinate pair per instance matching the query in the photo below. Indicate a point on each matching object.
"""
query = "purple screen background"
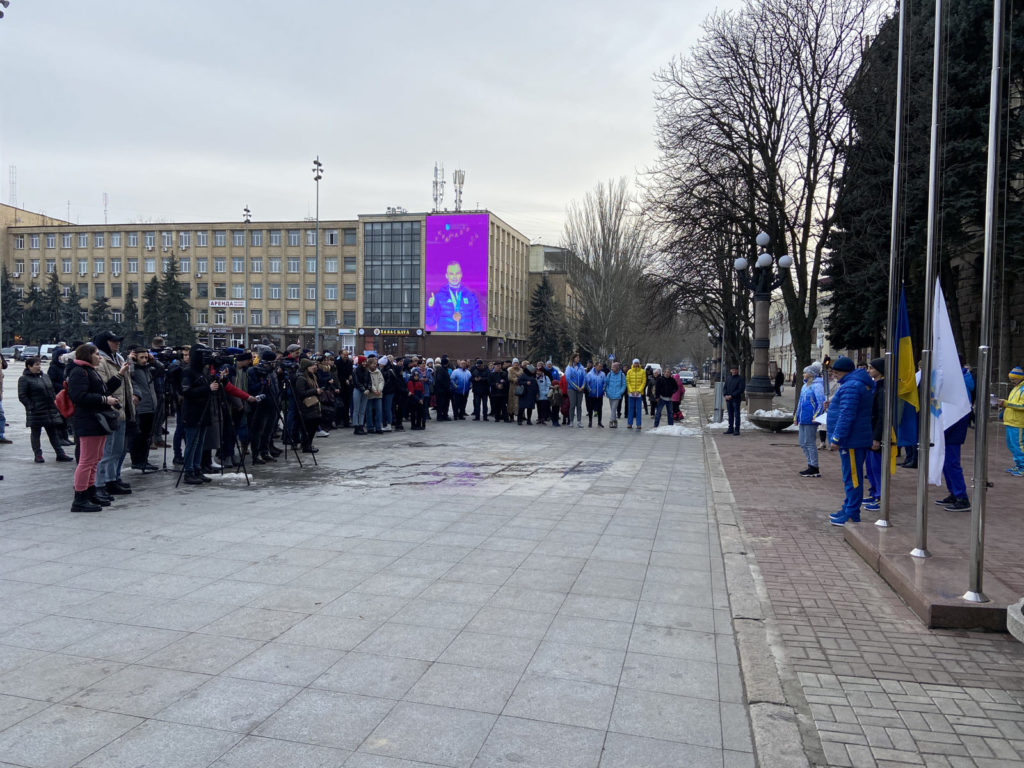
(462, 238)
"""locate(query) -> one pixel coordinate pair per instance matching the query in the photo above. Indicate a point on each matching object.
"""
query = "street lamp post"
(246, 217)
(762, 280)
(318, 172)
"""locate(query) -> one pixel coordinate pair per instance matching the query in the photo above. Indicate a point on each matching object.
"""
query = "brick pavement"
(882, 689)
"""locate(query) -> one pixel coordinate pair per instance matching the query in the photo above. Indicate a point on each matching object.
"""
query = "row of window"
(274, 264)
(292, 318)
(275, 237)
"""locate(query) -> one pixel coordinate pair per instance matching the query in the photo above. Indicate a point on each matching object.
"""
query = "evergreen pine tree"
(177, 313)
(72, 329)
(100, 318)
(152, 316)
(548, 338)
(51, 302)
(130, 321)
(11, 322)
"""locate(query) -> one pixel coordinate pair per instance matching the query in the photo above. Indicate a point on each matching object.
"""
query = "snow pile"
(724, 424)
(775, 413)
(676, 430)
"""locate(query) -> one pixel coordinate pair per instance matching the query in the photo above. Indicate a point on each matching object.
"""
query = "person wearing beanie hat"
(873, 460)
(262, 383)
(1013, 420)
(849, 430)
(636, 382)
(808, 408)
(733, 389)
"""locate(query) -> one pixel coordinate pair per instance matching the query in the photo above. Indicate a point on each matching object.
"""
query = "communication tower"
(438, 186)
(12, 187)
(458, 180)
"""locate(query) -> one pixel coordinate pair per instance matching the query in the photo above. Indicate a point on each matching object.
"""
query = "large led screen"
(455, 273)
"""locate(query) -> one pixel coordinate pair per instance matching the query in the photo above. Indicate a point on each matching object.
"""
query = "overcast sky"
(188, 110)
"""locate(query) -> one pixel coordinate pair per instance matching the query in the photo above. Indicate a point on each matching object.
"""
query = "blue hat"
(843, 364)
(1017, 373)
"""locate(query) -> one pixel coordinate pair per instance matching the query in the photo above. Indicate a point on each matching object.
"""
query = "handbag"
(107, 421)
(519, 390)
(310, 400)
(63, 402)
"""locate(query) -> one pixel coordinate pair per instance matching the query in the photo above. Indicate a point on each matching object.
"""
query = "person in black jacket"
(56, 372)
(442, 388)
(664, 388)
(307, 394)
(345, 371)
(262, 380)
(498, 383)
(94, 418)
(196, 389)
(360, 384)
(735, 386)
(36, 393)
(873, 459)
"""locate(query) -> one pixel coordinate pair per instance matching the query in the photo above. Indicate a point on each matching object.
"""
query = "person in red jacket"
(415, 388)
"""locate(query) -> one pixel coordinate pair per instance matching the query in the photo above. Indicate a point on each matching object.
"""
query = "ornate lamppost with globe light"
(761, 281)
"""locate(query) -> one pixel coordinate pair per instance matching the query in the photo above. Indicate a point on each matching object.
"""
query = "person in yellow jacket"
(1013, 421)
(636, 382)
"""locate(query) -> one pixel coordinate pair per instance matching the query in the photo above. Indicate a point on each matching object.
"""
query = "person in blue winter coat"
(576, 375)
(595, 380)
(808, 408)
(849, 432)
(461, 382)
(615, 390)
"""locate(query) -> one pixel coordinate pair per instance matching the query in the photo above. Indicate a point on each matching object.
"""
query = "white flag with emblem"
(948, 401)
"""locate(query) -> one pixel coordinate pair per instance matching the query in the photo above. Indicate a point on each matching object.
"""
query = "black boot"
(192, 479)
(116, 489)
(83, 504)
(97, 497)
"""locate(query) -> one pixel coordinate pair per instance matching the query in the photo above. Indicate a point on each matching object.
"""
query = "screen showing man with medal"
(456, 273)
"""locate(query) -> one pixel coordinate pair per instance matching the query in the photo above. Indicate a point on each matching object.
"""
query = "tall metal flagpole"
(921, 534)
(891, 374)
(982, 380)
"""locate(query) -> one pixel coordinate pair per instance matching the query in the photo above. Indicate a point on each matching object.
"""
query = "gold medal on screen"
(456, 316)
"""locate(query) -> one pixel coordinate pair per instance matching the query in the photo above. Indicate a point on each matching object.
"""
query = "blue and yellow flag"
(906, 369)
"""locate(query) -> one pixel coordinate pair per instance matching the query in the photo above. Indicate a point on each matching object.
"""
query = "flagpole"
(977, 563)
(894, 280)
(924, 441)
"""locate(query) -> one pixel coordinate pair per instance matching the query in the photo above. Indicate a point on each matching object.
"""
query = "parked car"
(688, 378)
(29, 352)
(8, 352)
(46, 349)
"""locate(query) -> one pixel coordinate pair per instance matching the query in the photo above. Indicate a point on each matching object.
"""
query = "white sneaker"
(322, 433)
(387, 428)
(579, 424)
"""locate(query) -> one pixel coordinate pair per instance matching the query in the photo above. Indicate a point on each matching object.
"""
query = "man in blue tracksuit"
(461, 382)
(595, 381)
(849, 432)
(576, 376)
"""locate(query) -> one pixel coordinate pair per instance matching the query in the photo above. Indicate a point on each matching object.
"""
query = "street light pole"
(318, 172)
(246, 217)
(762, 282)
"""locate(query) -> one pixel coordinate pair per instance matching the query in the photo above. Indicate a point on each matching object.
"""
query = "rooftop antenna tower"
(458, 180)
(12, 186)
(438, 187)
(106, 201)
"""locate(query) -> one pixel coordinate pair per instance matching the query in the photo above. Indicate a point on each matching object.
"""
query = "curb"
(783, 729)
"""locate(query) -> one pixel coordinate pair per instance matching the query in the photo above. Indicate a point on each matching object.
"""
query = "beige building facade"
(367, 273)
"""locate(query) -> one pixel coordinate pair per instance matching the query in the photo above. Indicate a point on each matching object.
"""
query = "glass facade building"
(391, 273)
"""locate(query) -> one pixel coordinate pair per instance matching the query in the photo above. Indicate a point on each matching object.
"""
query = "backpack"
(63, 402)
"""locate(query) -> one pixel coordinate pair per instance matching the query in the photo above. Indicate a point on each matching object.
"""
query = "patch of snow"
(774, 413)
(676, 430)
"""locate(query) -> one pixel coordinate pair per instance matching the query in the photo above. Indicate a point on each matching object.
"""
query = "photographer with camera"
(197, 388)
(145, 399)
(261, 382)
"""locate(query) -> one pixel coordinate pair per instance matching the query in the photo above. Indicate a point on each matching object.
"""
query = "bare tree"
(751, 125)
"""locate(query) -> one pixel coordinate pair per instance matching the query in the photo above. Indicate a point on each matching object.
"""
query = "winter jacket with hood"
(849, 413)
(812, 400)
(36, 393)
(109, 368)
(615, 385)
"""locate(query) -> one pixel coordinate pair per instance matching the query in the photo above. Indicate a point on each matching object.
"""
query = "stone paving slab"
(876, 686)
(474, 595)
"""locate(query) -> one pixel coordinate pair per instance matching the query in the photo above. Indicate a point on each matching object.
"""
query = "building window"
(83, 290)
(133, 290)
(220, 264)
(350, 263)
(65, 290)
(275, 237)
(220, 290)
(256, 238)
(150, 240)
(19, 266)
(98, 240)
(238, 238)
(330, 293)
(311, 266)
(238, 317)
(331, 266)
(115, 290)
(115, 267)
(133, 266)
(332, 237)
(256, 317)
(83, 267)
(65, 266)
(150, 266)
(256, 291)
(115, 239)
(202, 290)
(330, 317)
(99, 265)
(165, 264)
(51, 266)
(293, 237)
(238, 266)
(220, 238)
(293, 317)
(350, 292)
(65, 240)
(99, 291)
(274, 291)
(201, 266)
(391, 273)
(293, 291)
(310, 237)
(311, 292)
(184, 239)
(202, 239)
(35, 267)
(237, 291)
(220, 317)
(310, 317)
(184, 266)
(83, 239)
(274, 318)
(202, 317)
(165, 239)
(350, 236)
(256, 265)
(116, 315)
(33, 242)
(133, 239)
(293, 265)
(348, 318)
(51, 241)
(19, 242)
(275, 265)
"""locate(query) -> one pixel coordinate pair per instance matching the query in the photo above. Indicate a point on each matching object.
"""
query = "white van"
(46, 349)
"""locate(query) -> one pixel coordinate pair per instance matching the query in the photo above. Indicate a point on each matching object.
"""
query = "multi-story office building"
(563, 269)
(368, 276)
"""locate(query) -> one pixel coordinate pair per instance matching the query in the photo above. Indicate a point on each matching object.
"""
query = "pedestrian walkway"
(472, 595)
(874, 686)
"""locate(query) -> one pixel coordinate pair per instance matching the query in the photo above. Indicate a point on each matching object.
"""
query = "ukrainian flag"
(905, 368)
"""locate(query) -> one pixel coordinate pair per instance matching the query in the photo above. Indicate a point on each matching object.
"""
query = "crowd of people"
(224, 408)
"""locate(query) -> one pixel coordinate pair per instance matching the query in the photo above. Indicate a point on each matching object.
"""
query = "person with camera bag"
(307, 392)
(94, 418)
